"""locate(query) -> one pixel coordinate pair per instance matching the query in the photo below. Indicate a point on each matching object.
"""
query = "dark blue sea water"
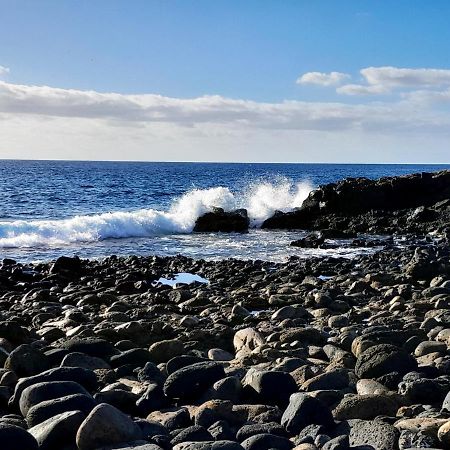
(93, 209)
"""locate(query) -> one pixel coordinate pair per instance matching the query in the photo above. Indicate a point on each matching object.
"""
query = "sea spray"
(263, 199)
(260, 199)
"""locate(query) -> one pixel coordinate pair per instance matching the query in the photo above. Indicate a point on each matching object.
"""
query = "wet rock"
(66, 265)
(220, 221)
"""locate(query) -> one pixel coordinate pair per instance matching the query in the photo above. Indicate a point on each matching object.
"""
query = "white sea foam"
(261, 200)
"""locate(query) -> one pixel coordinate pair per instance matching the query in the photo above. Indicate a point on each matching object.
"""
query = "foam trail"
(261, 200)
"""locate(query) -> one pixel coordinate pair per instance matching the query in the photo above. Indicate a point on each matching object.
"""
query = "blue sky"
(247, 58)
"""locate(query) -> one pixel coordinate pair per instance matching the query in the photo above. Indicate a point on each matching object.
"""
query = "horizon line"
(230, 162)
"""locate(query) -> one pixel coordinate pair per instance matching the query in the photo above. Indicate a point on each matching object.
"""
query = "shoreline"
(319, 353)
(234, 363)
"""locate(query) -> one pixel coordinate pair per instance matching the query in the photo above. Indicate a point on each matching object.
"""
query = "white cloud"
(394, 77)
(47, 122)
(360, 89)
(323, 79)
(383, 80)
(4, 70)
(149, 108)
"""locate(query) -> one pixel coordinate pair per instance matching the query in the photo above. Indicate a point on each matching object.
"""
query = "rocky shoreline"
(310, 354)
(415, 204)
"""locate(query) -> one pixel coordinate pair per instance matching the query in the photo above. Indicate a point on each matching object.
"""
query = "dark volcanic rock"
(382, 359)
(304, 410)
(361, 205)
(266, 354)
(219, 220)
(66, 265)
(54, 433)
(13, 437)
(370, 433)
(191, 381)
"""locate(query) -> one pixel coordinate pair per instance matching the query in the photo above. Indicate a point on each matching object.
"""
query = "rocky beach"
(310, 354)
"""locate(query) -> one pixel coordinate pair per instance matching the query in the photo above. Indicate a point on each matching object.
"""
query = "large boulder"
(304, 410)
(57, 431)
(220, 220)
(104, 426)
(191, 381)
(373, 434)
(67, 265)
(382, 359)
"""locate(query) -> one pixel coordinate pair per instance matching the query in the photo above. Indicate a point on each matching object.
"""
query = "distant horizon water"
(97, 208)
(443, 164)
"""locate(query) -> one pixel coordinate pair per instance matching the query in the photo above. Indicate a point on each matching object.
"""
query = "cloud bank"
(49, 122)
(382, 80)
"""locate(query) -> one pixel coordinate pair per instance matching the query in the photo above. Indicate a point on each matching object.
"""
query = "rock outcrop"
(219, 220)
(411, 203)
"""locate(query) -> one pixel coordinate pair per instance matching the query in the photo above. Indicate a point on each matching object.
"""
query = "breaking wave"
(260, 199)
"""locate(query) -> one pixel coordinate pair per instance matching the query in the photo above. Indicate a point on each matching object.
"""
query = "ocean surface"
(95, 209)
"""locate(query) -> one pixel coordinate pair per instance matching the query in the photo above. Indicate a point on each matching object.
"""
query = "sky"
(354, 81)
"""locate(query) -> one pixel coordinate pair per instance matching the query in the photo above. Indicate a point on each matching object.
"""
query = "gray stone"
(106, 425)
(365, 407)
(373, 433)
(190, 381)
(267, 441)
(41, 392)
(49, 408)
(77, 359)
(58, 431)
(304, 410)
(84, 377)
(382, 359)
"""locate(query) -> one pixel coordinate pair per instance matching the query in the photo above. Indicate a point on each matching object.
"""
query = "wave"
(260, 199)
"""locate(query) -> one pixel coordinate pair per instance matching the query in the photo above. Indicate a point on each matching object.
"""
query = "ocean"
(96, 209)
